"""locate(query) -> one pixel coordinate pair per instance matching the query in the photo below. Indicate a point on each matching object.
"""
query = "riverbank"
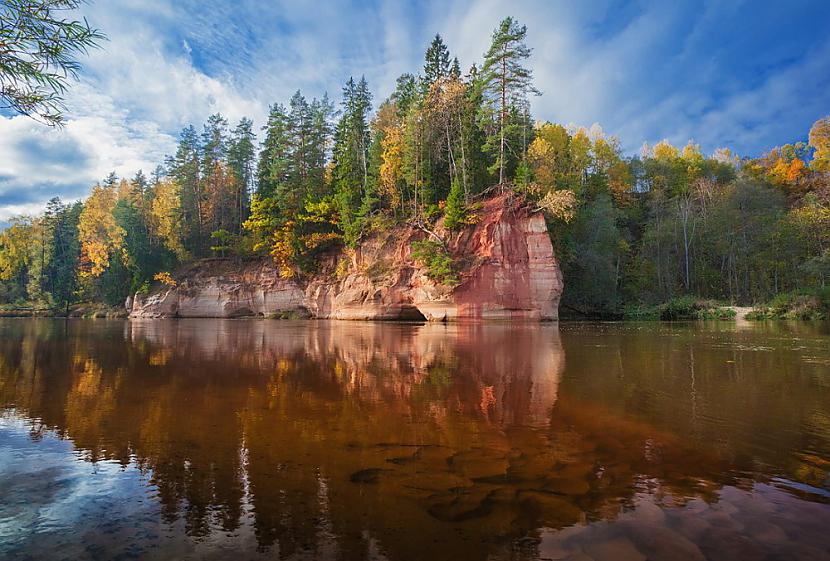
(84, 310)
(801, 305)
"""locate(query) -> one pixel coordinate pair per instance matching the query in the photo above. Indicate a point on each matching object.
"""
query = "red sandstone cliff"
(507, 271)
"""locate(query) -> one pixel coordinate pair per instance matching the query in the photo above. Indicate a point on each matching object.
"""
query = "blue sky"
(748, 75)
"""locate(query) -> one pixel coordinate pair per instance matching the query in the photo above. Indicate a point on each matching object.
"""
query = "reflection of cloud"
(318, 437)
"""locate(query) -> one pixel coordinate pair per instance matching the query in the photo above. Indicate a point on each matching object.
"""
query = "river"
(248, 439)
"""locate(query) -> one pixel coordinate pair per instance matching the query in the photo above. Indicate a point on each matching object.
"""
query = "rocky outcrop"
(507, 270)
(218, 288)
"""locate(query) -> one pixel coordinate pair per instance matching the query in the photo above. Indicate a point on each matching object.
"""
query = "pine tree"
(318, 145)
(506, 83)
(214, 142)
(111, 180)
(474, 136)
(241, 159)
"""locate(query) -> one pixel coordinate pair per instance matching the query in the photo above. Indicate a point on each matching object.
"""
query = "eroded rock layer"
(507, 270)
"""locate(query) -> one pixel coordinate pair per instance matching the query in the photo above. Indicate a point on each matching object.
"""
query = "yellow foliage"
(580, 153)
(560, 205)
(391, 167)
(282, 249)
(691, 152)
(342, 268)
(813, 219)
(100, 235)
(165, 216)
(315, 240)
(165, 278)
(540, 156)
(820, 140)
(621, 182)
(784, 172)
(15, 245)
(606, 153)
(693, 157)
(124, 191)
(664, 150)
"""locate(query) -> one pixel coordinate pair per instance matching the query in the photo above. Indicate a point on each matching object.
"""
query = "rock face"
(223, 289)
(507, 271)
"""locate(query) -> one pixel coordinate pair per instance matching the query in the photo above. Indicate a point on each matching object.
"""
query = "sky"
(749, 75)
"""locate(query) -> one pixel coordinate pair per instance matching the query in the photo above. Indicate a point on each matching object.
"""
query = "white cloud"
(644, 71)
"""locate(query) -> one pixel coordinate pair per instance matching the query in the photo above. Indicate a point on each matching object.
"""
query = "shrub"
(165, 278)
(456, 215)
(431, 212)
(682, 308)
(716, 312)
(639, 312)
(342, 268)
(802, 305)
(438, 262)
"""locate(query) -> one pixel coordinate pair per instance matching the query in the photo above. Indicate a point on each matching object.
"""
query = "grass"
(682, 308)
(810, 305)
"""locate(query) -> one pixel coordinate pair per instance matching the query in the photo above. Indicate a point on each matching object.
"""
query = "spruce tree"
(274, 155)
(350, 157)
(456, 207)
(185, 169)
(455, 69)
(436, 61)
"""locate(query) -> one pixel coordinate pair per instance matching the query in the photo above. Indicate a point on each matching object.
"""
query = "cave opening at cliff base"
(411, 313)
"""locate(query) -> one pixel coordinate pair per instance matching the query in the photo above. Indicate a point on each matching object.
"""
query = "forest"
(630, 231)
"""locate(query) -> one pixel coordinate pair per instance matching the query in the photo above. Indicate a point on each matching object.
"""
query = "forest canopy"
(319, 174)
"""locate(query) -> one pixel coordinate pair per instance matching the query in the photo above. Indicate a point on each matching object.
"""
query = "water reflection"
(351, 441)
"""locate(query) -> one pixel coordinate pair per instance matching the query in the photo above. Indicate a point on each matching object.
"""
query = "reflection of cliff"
(349, 438)
(506, 373)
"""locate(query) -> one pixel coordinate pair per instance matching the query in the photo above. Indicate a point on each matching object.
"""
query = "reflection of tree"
(357, 437)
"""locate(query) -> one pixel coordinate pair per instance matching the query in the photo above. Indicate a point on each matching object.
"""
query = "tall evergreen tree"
(274, 153)
(138, 188)
(405, 94)
(455, 69)
(242, 161)
(436, 61)
(61, 272)
(185, 169)
(318, 145)
(214, 142)
(506, 83)
(350, 156)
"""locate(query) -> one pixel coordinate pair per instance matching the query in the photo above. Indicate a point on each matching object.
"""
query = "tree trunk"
(463, 161)
(503, 117)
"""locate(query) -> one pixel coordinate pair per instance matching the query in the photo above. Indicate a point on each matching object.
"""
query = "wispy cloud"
(750, 75)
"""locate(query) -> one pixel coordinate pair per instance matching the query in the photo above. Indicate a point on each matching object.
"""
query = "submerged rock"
(506, 264)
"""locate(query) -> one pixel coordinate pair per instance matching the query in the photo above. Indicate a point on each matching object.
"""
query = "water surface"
(209, 439)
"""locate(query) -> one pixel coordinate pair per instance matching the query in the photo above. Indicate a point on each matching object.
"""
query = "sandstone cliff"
(507, 271)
